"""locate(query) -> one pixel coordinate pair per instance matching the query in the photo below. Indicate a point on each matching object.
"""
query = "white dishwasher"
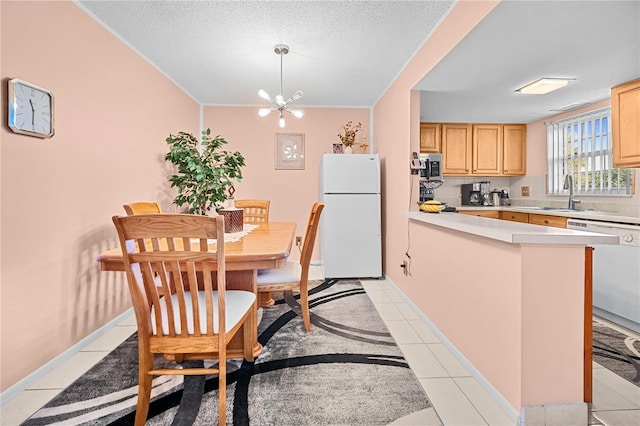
(616, 272)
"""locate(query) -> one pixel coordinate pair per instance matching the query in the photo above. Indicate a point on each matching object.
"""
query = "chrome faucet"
(568, 184)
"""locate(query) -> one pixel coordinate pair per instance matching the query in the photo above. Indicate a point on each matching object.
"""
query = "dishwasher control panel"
(629, 234)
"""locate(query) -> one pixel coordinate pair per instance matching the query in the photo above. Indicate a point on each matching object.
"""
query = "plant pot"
(348, 150)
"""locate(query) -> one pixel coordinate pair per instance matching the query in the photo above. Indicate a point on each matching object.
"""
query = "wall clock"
(30, 109)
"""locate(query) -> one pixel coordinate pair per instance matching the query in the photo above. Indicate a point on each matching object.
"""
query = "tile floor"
(457, 398)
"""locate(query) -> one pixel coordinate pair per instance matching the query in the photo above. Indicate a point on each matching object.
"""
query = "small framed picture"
(289, 151)
(337, 148)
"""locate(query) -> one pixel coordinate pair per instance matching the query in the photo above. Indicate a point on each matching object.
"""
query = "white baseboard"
(38, 374)
(484, 383)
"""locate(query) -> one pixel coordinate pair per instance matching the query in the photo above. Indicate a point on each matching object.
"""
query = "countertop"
(575, 214)
(510, 232)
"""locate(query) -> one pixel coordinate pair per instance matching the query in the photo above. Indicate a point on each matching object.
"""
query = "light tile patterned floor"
(457, 398)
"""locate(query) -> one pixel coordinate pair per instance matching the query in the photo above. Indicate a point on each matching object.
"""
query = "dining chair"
(254, 210)
(142, 207)
(295, 275)
(178, 290)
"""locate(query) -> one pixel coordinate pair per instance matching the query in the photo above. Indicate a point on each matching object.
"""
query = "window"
(581, 146)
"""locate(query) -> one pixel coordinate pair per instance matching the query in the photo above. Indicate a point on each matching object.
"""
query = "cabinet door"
(429, 137)
(548, 220)
(487, 149)
(625, 124)
(514, 150)
(515, 216)
(456, 149)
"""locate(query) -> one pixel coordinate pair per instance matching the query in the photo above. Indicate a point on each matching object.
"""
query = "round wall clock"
(30, 109)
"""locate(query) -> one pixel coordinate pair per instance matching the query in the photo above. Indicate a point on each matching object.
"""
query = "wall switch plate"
(524, 191)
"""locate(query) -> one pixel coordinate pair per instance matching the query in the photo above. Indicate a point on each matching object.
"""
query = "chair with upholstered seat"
(295, 276)
(254, 210)
(142, 207)
(183, 310)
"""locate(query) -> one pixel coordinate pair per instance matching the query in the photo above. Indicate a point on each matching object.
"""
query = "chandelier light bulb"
(281, 121)
(264, 95)
(279, 100)
(263, 112)
(296, 95)
(297, 113)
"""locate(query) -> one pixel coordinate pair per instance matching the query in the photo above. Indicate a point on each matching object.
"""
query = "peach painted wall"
(113, 112)
(394, 125)
(292, 192)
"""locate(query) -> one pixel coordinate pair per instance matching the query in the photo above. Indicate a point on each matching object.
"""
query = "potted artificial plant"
(202, 178)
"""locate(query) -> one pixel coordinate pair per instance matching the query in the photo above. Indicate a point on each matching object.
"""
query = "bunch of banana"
(432, 206)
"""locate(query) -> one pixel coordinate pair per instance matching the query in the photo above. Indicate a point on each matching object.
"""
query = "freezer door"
(350, 236)
(350, 174)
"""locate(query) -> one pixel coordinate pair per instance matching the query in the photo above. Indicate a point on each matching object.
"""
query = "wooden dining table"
(266, 247)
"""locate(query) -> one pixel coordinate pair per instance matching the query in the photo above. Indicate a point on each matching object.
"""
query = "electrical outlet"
(524, 191)
(298, 241)
(405, 267)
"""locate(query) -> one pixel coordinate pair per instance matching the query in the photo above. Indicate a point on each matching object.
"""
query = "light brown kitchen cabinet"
(514, 150)
(429, 137)
(487, 149)
(456, 149)
(625, 124)
(548, 220)
(492, 214)
(535, 219)
(484, 149)
(515, 216)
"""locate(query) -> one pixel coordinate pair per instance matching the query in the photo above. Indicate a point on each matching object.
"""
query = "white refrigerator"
(350, 225)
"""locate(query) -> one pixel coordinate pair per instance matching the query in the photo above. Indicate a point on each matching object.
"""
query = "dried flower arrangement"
(350, 130)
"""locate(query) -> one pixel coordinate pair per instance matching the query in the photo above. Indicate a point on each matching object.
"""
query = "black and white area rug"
(346, 371)
(617, 352)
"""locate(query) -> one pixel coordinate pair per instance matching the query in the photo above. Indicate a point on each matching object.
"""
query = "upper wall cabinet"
(429, 137)
(514, 150)
(625, 124)
(484, 149)
(487, 149)
(456, 149)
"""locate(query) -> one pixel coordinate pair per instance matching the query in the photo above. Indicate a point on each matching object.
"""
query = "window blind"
(581, 146)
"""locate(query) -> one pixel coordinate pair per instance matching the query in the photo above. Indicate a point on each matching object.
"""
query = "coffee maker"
(476, 194)
(471, 194)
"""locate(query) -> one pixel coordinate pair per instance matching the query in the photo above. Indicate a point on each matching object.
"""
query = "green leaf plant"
(202, 179)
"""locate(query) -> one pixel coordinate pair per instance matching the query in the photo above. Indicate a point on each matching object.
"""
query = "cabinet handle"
(546, 221)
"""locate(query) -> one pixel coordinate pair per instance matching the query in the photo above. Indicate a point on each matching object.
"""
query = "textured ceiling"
(342, 53)
(347, 53)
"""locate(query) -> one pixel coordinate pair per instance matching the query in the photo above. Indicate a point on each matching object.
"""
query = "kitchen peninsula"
(509, 297)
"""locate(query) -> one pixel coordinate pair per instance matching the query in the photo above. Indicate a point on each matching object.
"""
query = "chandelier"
(279, 103)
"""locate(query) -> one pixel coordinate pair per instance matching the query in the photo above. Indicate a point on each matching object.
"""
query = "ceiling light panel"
(543, 86)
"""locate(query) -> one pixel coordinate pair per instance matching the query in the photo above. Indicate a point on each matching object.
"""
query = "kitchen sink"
(561, 209)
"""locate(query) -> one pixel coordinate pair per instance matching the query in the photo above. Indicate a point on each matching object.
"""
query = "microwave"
(432, 167)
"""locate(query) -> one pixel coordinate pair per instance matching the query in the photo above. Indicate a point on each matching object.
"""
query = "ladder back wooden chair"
(295, 276)
(142, 207)
(183, 310)
(254, 210)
